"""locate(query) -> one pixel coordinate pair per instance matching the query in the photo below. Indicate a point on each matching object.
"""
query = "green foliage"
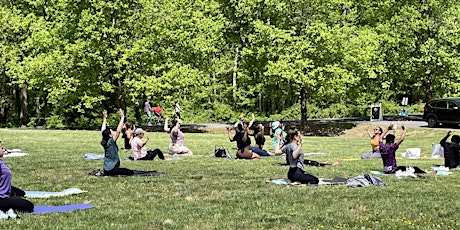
(54, 122)
(71, 60)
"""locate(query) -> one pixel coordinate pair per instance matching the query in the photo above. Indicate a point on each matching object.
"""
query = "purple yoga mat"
(63, 208)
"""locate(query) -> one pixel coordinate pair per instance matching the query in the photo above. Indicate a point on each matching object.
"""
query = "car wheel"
(432, 122)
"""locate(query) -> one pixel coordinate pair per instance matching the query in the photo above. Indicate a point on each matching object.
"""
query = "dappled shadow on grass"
(326, 129)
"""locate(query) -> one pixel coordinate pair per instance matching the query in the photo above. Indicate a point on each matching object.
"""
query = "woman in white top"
(140, 152)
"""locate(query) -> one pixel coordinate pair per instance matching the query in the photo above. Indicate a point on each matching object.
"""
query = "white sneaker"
(12, 214)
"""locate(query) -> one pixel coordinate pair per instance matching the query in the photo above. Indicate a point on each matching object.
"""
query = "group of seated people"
(134, 142)
(289, 143)
(387, 151)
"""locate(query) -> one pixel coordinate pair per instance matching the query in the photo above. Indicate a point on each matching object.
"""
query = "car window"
(440, 104)
(452, 105)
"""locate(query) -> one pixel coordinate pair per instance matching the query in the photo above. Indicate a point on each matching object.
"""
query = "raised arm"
(104, 120)
(385, 132)
(401, 139)
(443, 141)
(277, 150)
(230, 138)
(175, 129)
(367, 131)
(165, 127)
(271, 130)
(252, 120)
(142, 144)
(296, 152)
(120, 125)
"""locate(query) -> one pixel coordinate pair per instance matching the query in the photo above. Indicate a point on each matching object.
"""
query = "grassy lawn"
(202, 192)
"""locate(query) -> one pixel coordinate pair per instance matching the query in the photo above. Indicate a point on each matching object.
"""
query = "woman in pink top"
(177, 137)
(140, 152)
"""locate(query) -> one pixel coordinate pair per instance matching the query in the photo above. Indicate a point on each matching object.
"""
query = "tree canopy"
(62, 62)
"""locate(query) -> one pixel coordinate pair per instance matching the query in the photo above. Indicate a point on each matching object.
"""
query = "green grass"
(202, 192)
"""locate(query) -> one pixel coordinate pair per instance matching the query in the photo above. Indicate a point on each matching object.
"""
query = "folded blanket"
(62, 208)
(42, 194)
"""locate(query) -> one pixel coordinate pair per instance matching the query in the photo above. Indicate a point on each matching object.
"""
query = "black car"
(442, 110)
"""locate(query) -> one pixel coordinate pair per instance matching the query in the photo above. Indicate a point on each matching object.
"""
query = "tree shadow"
(328, 129)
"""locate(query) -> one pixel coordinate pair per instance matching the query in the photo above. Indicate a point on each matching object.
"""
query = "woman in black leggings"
(295, 156)
(11, 197)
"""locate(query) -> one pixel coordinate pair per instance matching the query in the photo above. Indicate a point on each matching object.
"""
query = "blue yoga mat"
(63, 208)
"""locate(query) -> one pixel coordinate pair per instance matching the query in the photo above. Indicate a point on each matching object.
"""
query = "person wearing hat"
(277, 128)
(139, 149)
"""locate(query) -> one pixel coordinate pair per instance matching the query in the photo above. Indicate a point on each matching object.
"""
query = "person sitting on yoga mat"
(243, 142)
(109, 142)
(293, 150)
(128, 130)
(311, 162)
(140, 152)
(11, 197)
(259, 137)
(276, 128)
(388, 151)
(375, 138)
(451, 150)
(177, 137)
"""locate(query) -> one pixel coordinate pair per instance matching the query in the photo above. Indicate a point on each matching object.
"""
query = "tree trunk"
(429, 87)
(23, 106)
(303, 106)
(235, 74)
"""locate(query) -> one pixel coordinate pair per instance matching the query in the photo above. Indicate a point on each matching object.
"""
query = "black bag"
(220, 152)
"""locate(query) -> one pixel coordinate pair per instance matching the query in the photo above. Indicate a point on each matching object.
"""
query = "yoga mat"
(43, 194)
(314, 153)
(62, 208)
(322, 181)
(14, 150)
(92, 156)
(378, 172)
(443, 173)
(15, 154)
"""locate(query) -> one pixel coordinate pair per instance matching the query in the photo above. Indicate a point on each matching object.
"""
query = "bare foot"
(325, 162)
(337, 162)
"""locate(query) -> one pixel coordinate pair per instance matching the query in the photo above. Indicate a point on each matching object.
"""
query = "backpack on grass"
(221, 152)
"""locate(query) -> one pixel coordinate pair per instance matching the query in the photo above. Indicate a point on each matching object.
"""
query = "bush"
(54, 122)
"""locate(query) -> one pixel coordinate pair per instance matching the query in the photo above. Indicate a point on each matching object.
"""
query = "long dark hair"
(105, 137)
(291, 134)
(128, 126)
